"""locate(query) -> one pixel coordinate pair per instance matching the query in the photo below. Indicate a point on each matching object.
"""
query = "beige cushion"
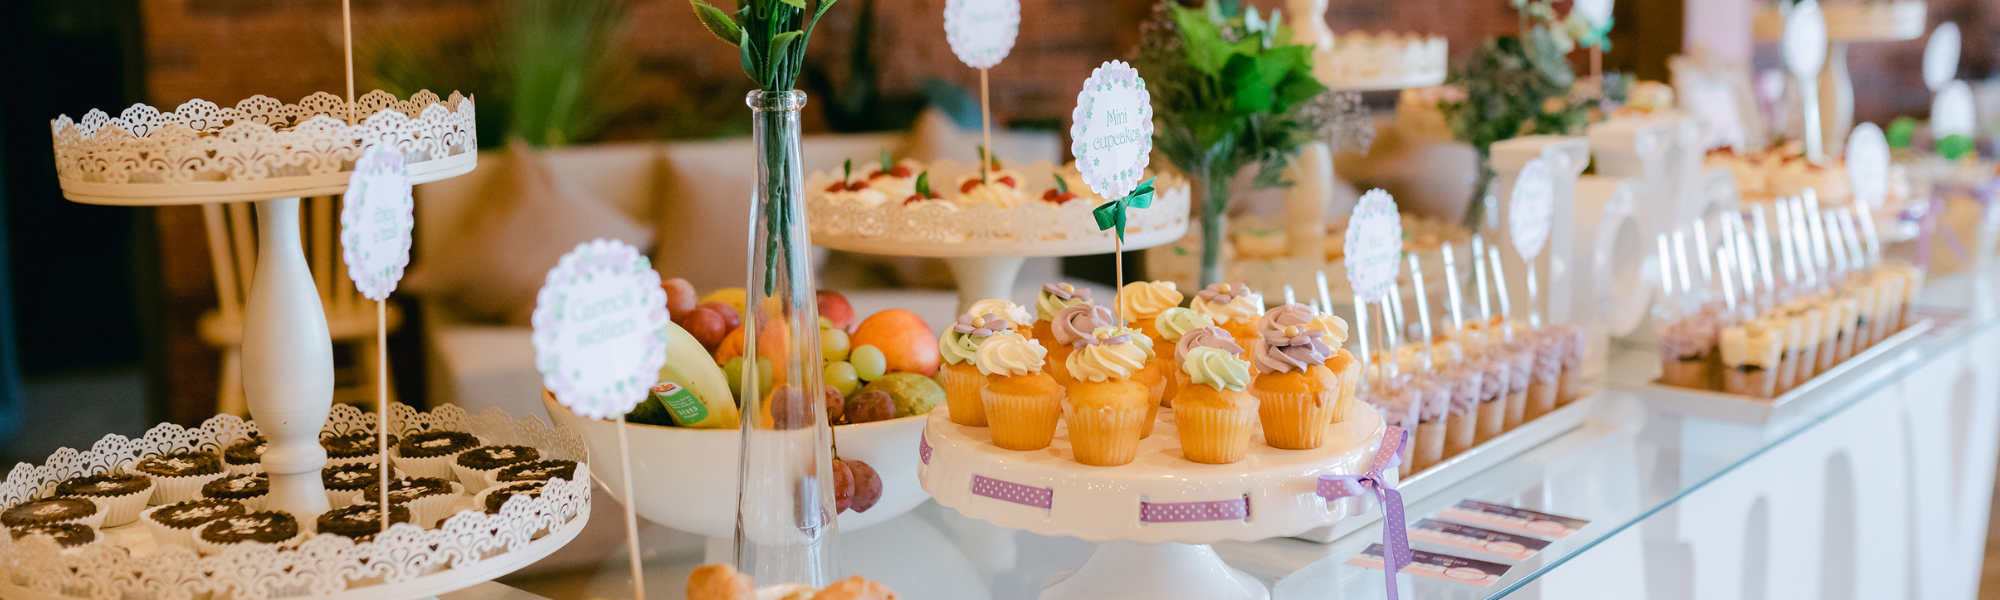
(493, 260)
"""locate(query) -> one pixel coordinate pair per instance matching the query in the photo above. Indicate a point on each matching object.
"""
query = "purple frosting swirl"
(1277, 319)
(1070, 294)
(1280, 353)
(981, 326)
(1223, 293)
(1206, 337)
(1076, 322)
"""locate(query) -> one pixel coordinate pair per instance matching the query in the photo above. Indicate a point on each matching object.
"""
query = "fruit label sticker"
(1868, 164)
(982, 32)
(686, 408)
(376, 216)
(1529, 207)
(1941, 56)
(1113, 130)
(601, 329)
(1804, 41)
(1374, 245)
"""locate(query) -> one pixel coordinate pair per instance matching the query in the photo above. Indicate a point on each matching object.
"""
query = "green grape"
(825, 323)
(869, 362)
(841, 376)
(833, 344)
(733, 371)
(764, 372)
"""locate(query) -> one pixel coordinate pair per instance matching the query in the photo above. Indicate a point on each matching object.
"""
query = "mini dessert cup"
(1105, 419)
(119, 496)
(1433, 404)
(1520, 360)
(1215, 425)
(1397, 412)
(1750, 354)
(175, 524)
(1569, 385)
(1684, 355)
(1023, 418)
(1296, 408)
(1545, 378)
(962, 382)
(1492, 399)
(178, 476)
(1464, 421)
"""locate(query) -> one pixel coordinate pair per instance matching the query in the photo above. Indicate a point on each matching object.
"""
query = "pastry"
(245, 456)
(429, 454)
(1216, 416)
(429, 497)
(174, 524)
(1233, 307)
(342, 482)
(49, 511)
(720, 582)
(476, 467)
(1052, 299)
(1174, 323)
(359, 522)
(960, 375)
(1106, 406)
(249, 489)
(1022, 404)
(119, 495)
(1153, 375)
(358, 447)
(1750, 355)
(492, 500)
(268, 527)
(179, 476)
(1073, 325)
(66, 535)
(997, 187)
(1296, 393)
(541, 470)
(1140, 302)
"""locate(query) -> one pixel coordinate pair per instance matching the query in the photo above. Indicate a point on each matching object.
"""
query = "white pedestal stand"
(287, 361)
(1121, 570)
(982, 277)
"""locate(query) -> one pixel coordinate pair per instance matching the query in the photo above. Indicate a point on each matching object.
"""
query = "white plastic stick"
(1866, 218)
(1500, 291)
(1325, 298)
(1728, 287)
(1423, 299)
(1455, 301)
(1763, 238)
(1479, 279)
(1290, 298)
(1701, 252)
(1666, 261)
(1786, 249)
(1681, 266)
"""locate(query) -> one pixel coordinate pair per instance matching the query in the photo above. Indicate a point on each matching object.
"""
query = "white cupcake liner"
(426, 511)
(254, 503)
(119, 510)
(475, 480)
(255, 467)
(168, 490)
(430, 466)
(168, 536)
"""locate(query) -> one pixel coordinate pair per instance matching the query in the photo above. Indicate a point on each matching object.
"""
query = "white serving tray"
(1471, 462)
(1723, 406)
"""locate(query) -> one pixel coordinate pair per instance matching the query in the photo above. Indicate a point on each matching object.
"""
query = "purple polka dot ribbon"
(1041, 498)
(1190, 512)
(924, 445)
(1395, 534)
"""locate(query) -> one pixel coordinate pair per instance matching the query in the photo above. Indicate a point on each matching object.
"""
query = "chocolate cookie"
(350, 477)
(486, 458)
(237, 487)
(248, 451)
(268, 527)
(107, 485)
(497, 497)
(353, 445)
(541, 470)
(179, 464)
(407, 489)
(48, 511)
(67, 535)
(436, 443)
(189, 514)
(361, 521)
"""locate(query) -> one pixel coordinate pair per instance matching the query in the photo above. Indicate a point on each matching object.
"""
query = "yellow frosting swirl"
(1009, 354)
(1334, 327)
(1239, 308)
(1176, 322)
(1013, 313)
(1100, 362)
(1217, 369)
(1146, 299)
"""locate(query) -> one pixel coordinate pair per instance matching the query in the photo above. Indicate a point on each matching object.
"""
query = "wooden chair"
(350, 318)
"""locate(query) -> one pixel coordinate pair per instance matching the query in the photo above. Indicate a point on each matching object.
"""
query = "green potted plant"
(1518, 85)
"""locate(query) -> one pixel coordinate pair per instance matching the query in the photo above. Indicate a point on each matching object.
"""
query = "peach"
(834, 307)
(904, 339)
(731, 347)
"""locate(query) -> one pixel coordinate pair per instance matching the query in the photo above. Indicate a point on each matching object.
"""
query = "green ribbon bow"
(1112, 214)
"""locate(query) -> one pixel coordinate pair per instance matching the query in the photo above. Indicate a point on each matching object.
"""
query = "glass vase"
(785, 515)
(1214, 209)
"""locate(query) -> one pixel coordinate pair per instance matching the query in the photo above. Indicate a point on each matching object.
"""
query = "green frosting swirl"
(1217, 369)
(1176, 322)
(958, 347)
(1048, 304)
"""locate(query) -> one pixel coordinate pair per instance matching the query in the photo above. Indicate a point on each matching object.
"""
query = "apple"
(834, 307)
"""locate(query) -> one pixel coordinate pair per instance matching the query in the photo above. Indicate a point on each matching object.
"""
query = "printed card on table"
(1476, 539)
(1437, 566)
(1517, 520)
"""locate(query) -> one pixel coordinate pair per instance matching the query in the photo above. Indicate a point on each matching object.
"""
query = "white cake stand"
(1155, 517)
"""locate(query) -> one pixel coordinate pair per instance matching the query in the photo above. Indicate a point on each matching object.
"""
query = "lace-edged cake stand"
(270, 153)
(985, 244)
(406, 562)
(1154, 518)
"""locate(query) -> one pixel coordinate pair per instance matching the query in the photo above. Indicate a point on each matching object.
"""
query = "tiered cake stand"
(1153, 518)
(985, 244)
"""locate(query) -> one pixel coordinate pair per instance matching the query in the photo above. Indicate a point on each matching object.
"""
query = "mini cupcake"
(175, 524)
(1296, 391)
(1205, 337)
(960, 376)
(120, 495)
(1152, 374)
(1107, 407)
(1052, 299)
(1022, 404)
(65, 535)
(1073, 325)
(179, 476)
(1461, 426)
(359, 522)
(1140, 302)
(495, 498)
(1015, 315)
(1215, 415)
(257, 528)
(475, 467)
(429, 454)
(1174, 323)
(342, 482)
(1233, 307)
(1750, 355)
(49, 511)
(430, 498)
(541, 470)
(250, 489)
(1333, 331)
(245, 456)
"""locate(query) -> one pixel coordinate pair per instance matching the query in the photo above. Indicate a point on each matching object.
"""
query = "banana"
(690, 366)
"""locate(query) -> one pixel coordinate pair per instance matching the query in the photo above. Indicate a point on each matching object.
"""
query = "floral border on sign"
(379, 164)
(1374, 245)
(962, 44)
(590, 260)
(1529, 206)
(1112, 76)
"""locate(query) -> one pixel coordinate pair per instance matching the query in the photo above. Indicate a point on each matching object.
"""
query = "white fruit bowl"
(686, 478)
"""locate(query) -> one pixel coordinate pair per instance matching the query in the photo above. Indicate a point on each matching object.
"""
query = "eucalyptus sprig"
(772, 35)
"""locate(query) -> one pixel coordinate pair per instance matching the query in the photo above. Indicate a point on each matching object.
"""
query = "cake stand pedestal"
(1155, 517)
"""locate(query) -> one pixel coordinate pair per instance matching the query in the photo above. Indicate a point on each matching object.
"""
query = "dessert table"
(1886, 478)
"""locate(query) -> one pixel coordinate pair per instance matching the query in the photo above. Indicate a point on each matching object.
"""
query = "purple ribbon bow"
(1395, 532)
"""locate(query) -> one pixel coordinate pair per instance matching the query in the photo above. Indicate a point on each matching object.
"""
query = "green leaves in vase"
(772, 35)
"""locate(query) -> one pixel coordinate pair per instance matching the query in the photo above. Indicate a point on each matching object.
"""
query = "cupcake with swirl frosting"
(1233, 307)
(1072, 325)
(1141, 302)
(1215, 415)
(1174, 323)
(1296, 392)
(1052, 299)
(1333, 331)
(1021, 403)
(1152, 374)
(960, 376)
(1016, 315)
(1107, 405)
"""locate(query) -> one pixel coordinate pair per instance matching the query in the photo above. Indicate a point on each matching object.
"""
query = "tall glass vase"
(1214, 208)
(785, 505)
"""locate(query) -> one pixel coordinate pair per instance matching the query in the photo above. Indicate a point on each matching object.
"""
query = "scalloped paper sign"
(601, 329)
(1529, 207)
(1868, 164)
(1374, 245)
(982, 32)
(1112, 132)
(376, 216)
